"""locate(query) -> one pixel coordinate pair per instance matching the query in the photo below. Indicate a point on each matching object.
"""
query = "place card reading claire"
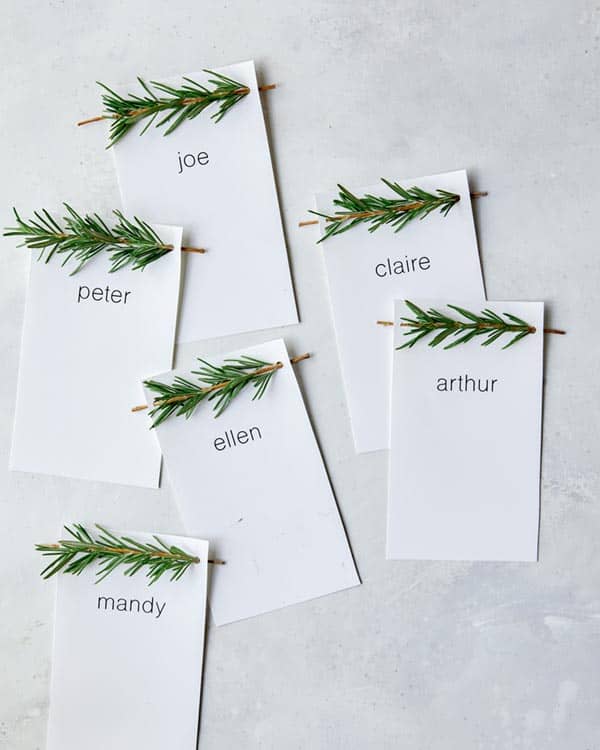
(127, 663)
(216, 180)
(87, 341)
(466, 439)
(367, 271)
(254, 482)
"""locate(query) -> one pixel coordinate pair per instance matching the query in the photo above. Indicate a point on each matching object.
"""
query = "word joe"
(191, 160)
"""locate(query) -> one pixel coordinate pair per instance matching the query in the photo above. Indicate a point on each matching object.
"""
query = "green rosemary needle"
(129, 243)
(110, 552)
(376, 211)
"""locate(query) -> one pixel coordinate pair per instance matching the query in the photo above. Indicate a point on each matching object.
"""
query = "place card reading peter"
(127, 662)
(253, 481)
(367, 271)
(88, 339)
(216, 180)
(466, 439)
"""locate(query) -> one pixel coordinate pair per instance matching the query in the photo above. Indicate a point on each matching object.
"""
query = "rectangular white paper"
(127, 663)
(465, 464)
(81, 364)
(228, 205)
(361, 295)
(265, 503)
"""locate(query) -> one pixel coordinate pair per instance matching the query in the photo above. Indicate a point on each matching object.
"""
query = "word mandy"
(191, 160)
(466, 384)
(100, 294)
(148, 606)
(407, 265)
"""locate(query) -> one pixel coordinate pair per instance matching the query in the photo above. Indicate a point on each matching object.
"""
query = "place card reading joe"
(216, 180)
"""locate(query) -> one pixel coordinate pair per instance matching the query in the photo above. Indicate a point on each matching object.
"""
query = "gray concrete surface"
(424, 655)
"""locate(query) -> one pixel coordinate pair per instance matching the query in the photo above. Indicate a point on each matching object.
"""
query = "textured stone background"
(424, 655)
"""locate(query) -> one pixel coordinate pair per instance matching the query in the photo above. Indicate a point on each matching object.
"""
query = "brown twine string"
(191, 100)
(218, 386)
(365, 214)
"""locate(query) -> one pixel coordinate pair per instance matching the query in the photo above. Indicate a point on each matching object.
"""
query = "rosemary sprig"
(129, 243)
(488, 324)
(220, 384)
(111, 552)
(177, 103)
(411, 203)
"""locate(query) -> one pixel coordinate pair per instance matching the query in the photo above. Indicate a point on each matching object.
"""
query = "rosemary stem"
(219, 386)
(242, 91)
(531, 329)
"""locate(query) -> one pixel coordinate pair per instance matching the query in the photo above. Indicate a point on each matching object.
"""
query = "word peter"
(100, 294)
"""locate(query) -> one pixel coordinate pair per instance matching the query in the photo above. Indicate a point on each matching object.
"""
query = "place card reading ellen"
(466, 440)
(216, 180)
(254, 482)
(88, 339)
(367, 271)
(127, 662)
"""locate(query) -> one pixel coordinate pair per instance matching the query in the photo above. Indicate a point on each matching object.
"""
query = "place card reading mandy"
(367, 271)
(127, 660)
(466, 439)
(216, 180)
(253, 481)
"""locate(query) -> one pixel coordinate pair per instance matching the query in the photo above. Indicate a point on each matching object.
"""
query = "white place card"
(466, 440)
(127, 663)
(88, 339)
(367, 271)
(216, 180)
(253, 481)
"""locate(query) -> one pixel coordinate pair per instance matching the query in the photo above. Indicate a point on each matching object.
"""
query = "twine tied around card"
(217, 383)
(488, 324)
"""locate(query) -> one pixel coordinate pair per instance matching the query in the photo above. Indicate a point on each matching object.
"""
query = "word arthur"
(190, 160)
(241, 437)
(148, 606)
(466, 384)
(100, 294)
(408, 265)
